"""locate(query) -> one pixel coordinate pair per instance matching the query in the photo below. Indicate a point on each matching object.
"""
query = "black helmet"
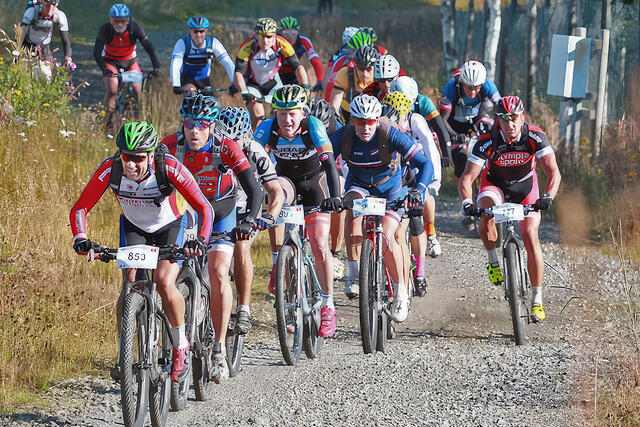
(323, 111)
(365, 56)
(390, 112)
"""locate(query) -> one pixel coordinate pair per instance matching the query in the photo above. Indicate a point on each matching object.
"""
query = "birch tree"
(493, 38)
(448, 35)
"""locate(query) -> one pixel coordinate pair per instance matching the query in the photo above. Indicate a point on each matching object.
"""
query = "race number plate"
(131, 77)
(137, 256)
(291, 215)
(369, 206)
(508, 212)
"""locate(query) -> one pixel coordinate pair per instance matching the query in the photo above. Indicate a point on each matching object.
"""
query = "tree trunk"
(573, 16)
(468, 44)
(531, 61)
(493, 38)
(448, 35)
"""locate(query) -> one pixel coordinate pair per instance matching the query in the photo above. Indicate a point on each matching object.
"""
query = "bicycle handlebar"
(478, 212)
(393, 205)
(171, 253)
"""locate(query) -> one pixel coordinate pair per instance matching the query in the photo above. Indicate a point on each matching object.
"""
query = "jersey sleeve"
(171, 142)
(336, 141)
(402, 143)
(261, 135)
(492, 91)
(234, 157)
(63, 22)
(188, 187)
(341, 80)
(222, 56)
(427, 107)
(262, 163)
(318, 133)
(28, 16)
(542, 146)
(94, 190)
(243, 57)
(449, 95)
(177, 57)
(481, 150)
(136, 30)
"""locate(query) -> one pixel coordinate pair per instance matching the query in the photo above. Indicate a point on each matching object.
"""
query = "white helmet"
(406, 85)
(386, 67)
(366, 107)
(473, 73)
(348, 33)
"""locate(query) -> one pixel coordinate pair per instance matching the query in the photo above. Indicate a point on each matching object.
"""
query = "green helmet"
(137, 137)
(289, 22)
(361, 38)
(371, 32)
(289, 97)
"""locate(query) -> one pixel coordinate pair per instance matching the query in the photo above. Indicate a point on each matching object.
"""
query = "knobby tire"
(312, 342)
(160, 392)
(367, 302)
(287, 303)
(514, 288)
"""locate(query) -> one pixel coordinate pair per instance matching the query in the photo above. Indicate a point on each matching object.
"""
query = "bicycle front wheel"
(134, 377)
(202, 360)
(288, 309)
(517, 304)
(367, 301)
(180, 389)
(312, 342)
(234, 343)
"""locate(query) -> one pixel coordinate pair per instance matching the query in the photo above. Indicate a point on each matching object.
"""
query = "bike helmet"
(473, 73)
(235, 123)
(510, 105)
(348, 33)
(265, 27)
(323, 111)
(371, 32)
(289, 97)
(365, 56)
(200, 107)
(53, 2)
(365, 107)
(399, 101)
(137, 137)
(390, 112)
(406, 85)
(289, 22)
(386, 67)
(198, 22)
(359, 39)
(119, 10)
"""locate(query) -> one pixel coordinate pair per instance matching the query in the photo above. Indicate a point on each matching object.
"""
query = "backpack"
(305, 135)
(482, 94)
(164, 185)
(208, 47)
(384, 127)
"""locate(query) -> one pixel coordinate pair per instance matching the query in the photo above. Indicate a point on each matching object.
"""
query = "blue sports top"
(466, 108)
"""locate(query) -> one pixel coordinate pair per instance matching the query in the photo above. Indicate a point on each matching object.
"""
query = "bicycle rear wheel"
(312, 342)
(517, 305)
(180, 389)
(234, 343)
(288, 309)
(368, 298)
(134, 383)
(160, 389)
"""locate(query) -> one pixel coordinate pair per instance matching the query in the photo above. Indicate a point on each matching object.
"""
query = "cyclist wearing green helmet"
(146, 181)
(290, 30)
(304, 155)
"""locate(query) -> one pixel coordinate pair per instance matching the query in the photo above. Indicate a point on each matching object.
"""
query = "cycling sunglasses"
(469, 87)
(135, 158)
(200, 124)
(362, 122)
(387, 80)
(199, 31)
(508, 117)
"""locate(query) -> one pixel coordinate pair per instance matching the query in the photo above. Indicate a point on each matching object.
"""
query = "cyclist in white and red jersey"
(137, 176)
(36, 28)
(506, 159)
(290, 29)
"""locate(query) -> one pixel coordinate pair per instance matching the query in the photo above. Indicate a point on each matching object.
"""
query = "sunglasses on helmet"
(135, 158)
(200, 124)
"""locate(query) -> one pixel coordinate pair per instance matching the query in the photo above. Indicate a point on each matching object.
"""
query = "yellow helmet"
(399, 101)
(265, 27)
(289, 97)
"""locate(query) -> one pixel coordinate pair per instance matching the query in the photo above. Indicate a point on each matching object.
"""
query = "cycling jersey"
(262, 167)
(40, 28)
(420, 131)
(425, 107)
(334, 67)
(263, 66)
(139, 200)
(195, 62)
(111, 46)
(453, 98)
(348, 81)
(296, 158)
(302, 47)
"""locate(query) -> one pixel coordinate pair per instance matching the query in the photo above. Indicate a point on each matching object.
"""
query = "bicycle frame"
(372, 228)
(511, 236)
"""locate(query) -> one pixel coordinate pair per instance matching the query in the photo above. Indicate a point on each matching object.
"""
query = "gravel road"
(451, 363)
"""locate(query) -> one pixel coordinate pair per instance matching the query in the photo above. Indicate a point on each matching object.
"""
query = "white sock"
(245, 308)
(492, 255)
(274, 257)
(401, 290)
(179, 336)
(537, 294)
(354, 269)
(327, 300)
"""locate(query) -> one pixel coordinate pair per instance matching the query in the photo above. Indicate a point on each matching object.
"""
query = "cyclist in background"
(357, 40)
(214, 160)
(36, 28)
(148, 217)
(372, 148)
(190, 67)
(236, 125)
(258, 62)
(343, 50)
(303, 154)
(115, 50)
(506, 158)
(290, 30)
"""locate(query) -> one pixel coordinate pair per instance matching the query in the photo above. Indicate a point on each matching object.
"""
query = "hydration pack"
(382, 135)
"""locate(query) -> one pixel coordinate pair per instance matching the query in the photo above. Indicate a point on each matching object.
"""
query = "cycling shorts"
(199, 84)
(169, 235)
(289, 79)
(312, 189)
(115, 65)
(391, 190)
(264, 88)
(223, 226)
(524, 192)
(459, 158)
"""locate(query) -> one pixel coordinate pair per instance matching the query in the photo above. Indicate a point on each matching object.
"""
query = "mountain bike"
(146, 346)
(376, 290)
(298, 301)
(127, 102)
(517, 286)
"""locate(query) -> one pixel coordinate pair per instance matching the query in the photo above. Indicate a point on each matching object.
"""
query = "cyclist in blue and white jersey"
(191, 58)
(373, 149)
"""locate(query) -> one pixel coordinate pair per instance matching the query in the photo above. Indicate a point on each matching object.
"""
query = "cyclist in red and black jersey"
(115, 49)
(290, 29)
(506, 159)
